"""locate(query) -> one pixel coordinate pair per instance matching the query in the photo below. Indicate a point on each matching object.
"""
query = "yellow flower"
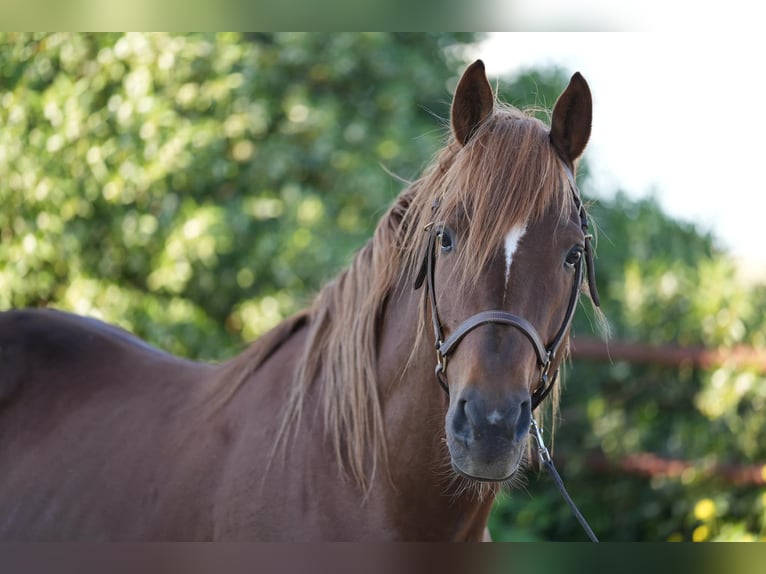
(704, 510)
(701, 533)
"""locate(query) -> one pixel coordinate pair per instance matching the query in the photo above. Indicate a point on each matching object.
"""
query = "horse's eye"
(574, 256)
(445, 240)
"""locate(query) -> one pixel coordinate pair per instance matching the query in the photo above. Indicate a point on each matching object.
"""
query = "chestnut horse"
(332, 425)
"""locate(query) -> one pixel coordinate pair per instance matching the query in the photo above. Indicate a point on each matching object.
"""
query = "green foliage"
(196, 189)
(212, 181)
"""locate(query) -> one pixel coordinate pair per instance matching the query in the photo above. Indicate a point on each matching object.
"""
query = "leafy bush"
(196, 189)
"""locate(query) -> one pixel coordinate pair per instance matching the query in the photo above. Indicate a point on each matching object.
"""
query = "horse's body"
(135, 446)
(323, 429)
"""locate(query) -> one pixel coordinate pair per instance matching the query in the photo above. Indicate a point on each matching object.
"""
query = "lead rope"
(547, 462)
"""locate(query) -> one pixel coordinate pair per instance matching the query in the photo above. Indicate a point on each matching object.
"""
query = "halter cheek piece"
(546, 354)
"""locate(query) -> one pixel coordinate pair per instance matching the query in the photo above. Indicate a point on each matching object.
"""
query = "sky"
(676, 116)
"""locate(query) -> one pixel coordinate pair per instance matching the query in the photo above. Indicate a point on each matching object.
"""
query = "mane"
(508, 173)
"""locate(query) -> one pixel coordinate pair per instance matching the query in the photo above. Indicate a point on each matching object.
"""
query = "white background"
(678, 116)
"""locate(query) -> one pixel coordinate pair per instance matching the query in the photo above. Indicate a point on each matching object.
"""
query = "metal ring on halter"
(441, 368)
(441, 358)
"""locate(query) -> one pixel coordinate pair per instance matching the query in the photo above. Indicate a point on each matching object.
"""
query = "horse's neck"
(426, 493)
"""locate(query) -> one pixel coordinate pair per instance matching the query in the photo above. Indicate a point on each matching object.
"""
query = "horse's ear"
(572, 115)
(473, 102)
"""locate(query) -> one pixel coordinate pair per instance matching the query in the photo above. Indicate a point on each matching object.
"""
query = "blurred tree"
(196, 189)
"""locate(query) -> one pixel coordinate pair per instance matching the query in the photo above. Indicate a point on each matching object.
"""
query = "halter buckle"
(441, 358)
(441, 368)
(545, 367)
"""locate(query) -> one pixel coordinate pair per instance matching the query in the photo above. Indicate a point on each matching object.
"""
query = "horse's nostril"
(524, 420)
(461, 426)
(478, 418)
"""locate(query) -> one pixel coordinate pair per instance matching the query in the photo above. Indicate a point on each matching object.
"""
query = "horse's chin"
(498, 470)
(486, 462)
(480, 478)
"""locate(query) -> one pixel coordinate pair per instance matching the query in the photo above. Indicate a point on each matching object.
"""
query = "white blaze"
(511, 245)
(494, 417)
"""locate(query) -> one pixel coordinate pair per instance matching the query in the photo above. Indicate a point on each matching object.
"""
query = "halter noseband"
(546, 354)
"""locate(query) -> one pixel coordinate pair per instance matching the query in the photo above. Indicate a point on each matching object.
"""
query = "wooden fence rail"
(649, 464)
(593, 349)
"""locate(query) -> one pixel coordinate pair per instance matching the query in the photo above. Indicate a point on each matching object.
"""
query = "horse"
(394, 408)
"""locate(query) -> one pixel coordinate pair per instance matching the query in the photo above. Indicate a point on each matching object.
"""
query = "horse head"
(506, 255)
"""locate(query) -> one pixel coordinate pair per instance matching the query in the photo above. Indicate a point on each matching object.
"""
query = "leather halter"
(546, 354)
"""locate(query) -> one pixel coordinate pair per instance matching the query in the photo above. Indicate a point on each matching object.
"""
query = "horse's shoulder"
(39, 339)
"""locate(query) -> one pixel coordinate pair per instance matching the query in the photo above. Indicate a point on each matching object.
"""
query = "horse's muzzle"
(487, 439)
